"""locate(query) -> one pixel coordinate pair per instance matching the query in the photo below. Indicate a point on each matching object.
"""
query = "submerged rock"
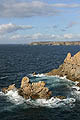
(70, 68)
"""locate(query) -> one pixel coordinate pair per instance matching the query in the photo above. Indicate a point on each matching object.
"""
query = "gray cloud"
(8, 28)
(22, 8)
(26, 9)
(62, 5)
(71, 24)
(40, 36)
(21, 39)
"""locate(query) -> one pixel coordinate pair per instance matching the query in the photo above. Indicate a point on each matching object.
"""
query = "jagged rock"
(33, 90)
(68, 57)
(28, 90)
(4, 90)
(60, 97)
(25, 82)
(34, 74)
(70, 68)
(11, 87)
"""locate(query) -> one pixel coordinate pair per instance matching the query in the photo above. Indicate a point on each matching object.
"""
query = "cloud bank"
(18, 38)
(9, 28)
(26, 9)
(20, 9)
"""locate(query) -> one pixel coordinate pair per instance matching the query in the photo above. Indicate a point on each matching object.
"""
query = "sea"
(17, 61)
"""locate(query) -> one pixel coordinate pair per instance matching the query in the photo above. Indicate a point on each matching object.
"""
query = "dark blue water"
(17, 61)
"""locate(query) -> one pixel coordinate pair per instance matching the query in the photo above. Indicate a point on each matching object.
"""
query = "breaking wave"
(53, 102)
(37, 75)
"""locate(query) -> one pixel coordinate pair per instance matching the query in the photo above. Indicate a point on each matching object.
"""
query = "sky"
(26, 21)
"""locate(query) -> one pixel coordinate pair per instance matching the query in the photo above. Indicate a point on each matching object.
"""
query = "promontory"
(70, 68)
(56, 43)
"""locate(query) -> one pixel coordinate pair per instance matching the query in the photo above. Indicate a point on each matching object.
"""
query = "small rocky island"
(70, 68)
(36, 90)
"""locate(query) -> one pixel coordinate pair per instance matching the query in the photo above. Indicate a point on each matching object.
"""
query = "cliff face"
(70, 68)
(56, 43)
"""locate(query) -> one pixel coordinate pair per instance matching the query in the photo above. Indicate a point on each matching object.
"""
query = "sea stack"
(36, 90)
(70, 68)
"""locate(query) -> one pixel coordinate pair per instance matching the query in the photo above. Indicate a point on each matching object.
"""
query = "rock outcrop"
(33, 90)
(11, 87)
(28, 90)
(70, 68)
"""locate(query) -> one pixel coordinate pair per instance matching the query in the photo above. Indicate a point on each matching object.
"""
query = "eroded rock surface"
(28, 90)
(70, 68)
(34, 90)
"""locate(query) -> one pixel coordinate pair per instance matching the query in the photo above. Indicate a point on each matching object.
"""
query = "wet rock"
(60, 97)
(11, 87)
(4, 90)
(34, 74)
(78, 84)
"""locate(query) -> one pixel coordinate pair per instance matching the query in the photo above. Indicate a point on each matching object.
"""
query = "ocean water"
(17, 61)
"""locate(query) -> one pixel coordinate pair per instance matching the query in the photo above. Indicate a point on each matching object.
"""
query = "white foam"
(53, 102)
(76, 87)
(76, 82)
(14, 97)
(1, 93)
(38, 75)
(62, 77)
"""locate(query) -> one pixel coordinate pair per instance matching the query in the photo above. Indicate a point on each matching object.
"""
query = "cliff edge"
(70, 68)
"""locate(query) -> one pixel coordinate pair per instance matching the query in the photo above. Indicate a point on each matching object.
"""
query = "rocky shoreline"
(70, 68)
(37, 90)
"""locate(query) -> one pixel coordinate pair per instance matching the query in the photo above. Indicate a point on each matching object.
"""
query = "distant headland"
(56, 43)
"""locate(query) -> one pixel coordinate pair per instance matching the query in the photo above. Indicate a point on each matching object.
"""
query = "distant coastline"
(56, 43)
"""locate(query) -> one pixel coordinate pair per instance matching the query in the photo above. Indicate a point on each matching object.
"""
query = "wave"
(74, 94)
(13, 97)
(3, 77)
(37, 75)
(53, 102)
(1, 93)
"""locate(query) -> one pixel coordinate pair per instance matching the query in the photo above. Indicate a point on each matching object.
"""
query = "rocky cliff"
(56, 43)
(70, 68)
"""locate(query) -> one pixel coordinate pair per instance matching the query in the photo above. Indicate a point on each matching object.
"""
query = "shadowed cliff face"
(70, 68)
